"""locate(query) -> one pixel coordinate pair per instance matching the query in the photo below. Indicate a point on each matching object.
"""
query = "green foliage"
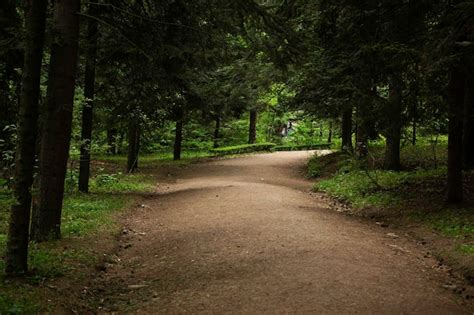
(315, 168)
(413, 194)
(86, 213)
(467, 249)
(359, 189)
(120, 183)
(17, 303)
(6, 199)
(317, 165)
(457, 223)
(302, 147)
(367, 185)
(246, 148)
(156, 159)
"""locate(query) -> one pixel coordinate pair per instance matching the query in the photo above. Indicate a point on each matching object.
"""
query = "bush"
(106, 179)
(246, 148)
(302, 147)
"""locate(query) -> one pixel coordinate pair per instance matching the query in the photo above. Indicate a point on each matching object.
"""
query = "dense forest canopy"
(79, 80)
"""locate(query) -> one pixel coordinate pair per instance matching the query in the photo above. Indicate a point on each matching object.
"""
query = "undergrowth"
(83, 215)
(416, 193)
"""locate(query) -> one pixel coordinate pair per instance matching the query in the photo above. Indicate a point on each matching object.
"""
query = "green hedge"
(302, 147)
(246, 148)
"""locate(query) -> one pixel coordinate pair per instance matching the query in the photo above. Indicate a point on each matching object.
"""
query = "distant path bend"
(244, 235)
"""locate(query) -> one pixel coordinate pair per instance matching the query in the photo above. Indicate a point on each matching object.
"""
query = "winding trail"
(245, 235)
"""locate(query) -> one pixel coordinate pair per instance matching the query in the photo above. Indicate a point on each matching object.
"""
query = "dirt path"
(245, 236)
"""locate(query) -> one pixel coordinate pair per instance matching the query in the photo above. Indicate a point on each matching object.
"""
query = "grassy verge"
(159, 157)
(413, 197)
(84, 216)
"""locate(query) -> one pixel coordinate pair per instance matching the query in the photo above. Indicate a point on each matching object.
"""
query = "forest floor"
(248, 235)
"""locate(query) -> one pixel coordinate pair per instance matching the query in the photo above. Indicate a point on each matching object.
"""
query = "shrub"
(246, 148)
(301, 147)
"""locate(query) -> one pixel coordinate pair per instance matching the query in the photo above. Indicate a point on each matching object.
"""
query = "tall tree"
(456, 102)
(57, 120)
(87, 111)
(347, 130)
(216, 137)
(16, 256)
(133, 145)
(394, 127)
(253, 126)
(468, 128)
(178, 139)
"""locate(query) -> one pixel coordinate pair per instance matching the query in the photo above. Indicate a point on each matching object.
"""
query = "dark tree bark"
(87, 111)
(468, 128)
(330, 132)
(133, 147)
(347, 130)
(56, 133)
(112, 141)
(394, 126)
(362, 133)
(119, 142)
(253, 127)
(217, 132)
(178, 140)
(16, 256)
(456, 92)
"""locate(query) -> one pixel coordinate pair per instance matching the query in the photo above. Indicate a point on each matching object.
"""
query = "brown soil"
(246, 235)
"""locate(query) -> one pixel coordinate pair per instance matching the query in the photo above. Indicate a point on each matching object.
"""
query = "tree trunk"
(456, 103)
(347, 130)
(119, 142)
(133, 147)
(394, 126)
(362, 134)
(253, 127)
(330, 132)
(16, 255)
(216, 132)
(178, 140)
(56, 133)
(112, 141)
(87, 111)
(468, 129)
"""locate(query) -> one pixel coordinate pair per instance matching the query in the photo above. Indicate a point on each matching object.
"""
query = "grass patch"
(121, 183)
(83, 214)
(157, 158)
(456, 223)
(6, 199)
(11, 304)
(373, 187)
(360, 188)
(467, 249)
